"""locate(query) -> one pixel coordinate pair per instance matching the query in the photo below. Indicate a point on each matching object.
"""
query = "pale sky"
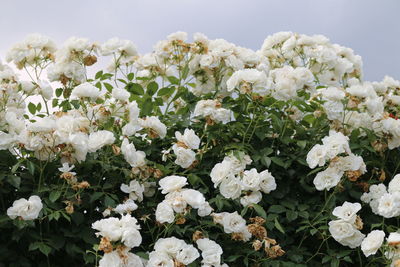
(370, 27)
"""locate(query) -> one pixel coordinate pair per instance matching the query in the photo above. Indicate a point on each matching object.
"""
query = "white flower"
(393, 239)
(394, 184)
(125, 229)
(164, 213)
(372, 242)
(336, 143)
(189, 138)
(257, 79)
(127, 207)
(66, 168)
(252, 198)
(211, 252)
(389, 205)
(158, 258)
(99, 139)
(187, 254)
(251, 180)
(184, 156)
(120, 258)
(135, 190)
(116, 45)
(154, 124)
(347, 211)
(317, 156)
(26, 209)
(327, 179)
(267, 183)
(230, 188)
(345, 233)
(45, 89)
(132, 156)
(120, 94)
(172, 183)
(86, 90)
(170, 245)
(193, 197)
(220, 171)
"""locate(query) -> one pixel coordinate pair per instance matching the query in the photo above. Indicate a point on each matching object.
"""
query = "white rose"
(109, 228)
(251, 180)
(267, 183)
(170, 245)
(176, 201)
(230, 188)
(347, 211)
(233, 223)
(184, 157)
(120, 94)
(164, 213)
(193, 197)
(189, 138)
(389, 205)
(86, 90)
(327, 179)
(172, 183)
(394, 184)
(132, 156)
(187, 254)
(340, 229)
(219, 172)
(393, 239)
(253, 198)
(135, 190)
(345, 233)
(26, 209)
(99, 139)
(158, 258)
(372, 242)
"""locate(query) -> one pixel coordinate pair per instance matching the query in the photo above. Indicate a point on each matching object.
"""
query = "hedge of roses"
(199, 153)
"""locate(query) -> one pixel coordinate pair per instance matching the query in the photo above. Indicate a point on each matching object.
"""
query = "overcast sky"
(370, 27)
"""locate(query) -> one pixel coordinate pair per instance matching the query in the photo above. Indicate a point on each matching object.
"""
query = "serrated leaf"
(166, 91)
(260, 211)
(173, 80)
(152, 88)
(134, 88)
(54, 195)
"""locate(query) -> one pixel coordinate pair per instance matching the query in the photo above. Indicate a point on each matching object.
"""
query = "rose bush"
(199, 153)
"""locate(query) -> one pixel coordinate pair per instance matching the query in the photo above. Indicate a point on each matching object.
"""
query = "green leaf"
(278, 161)
(54, 195)
(166, 91)
(152, 88)
(108, 86)
(260, 211)
(32, 108)
(134, 88)
(59, 92)
(31, 167)
(277, 209)
(98, 74)
(173, 80)
(279, 226)
(130, 76)
(45, 249)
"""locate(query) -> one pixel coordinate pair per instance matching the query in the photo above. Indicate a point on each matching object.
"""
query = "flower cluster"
(345, 229)
(178, 198)
(234, 181)
(333, 147)
(172, 252)
(384, 202)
